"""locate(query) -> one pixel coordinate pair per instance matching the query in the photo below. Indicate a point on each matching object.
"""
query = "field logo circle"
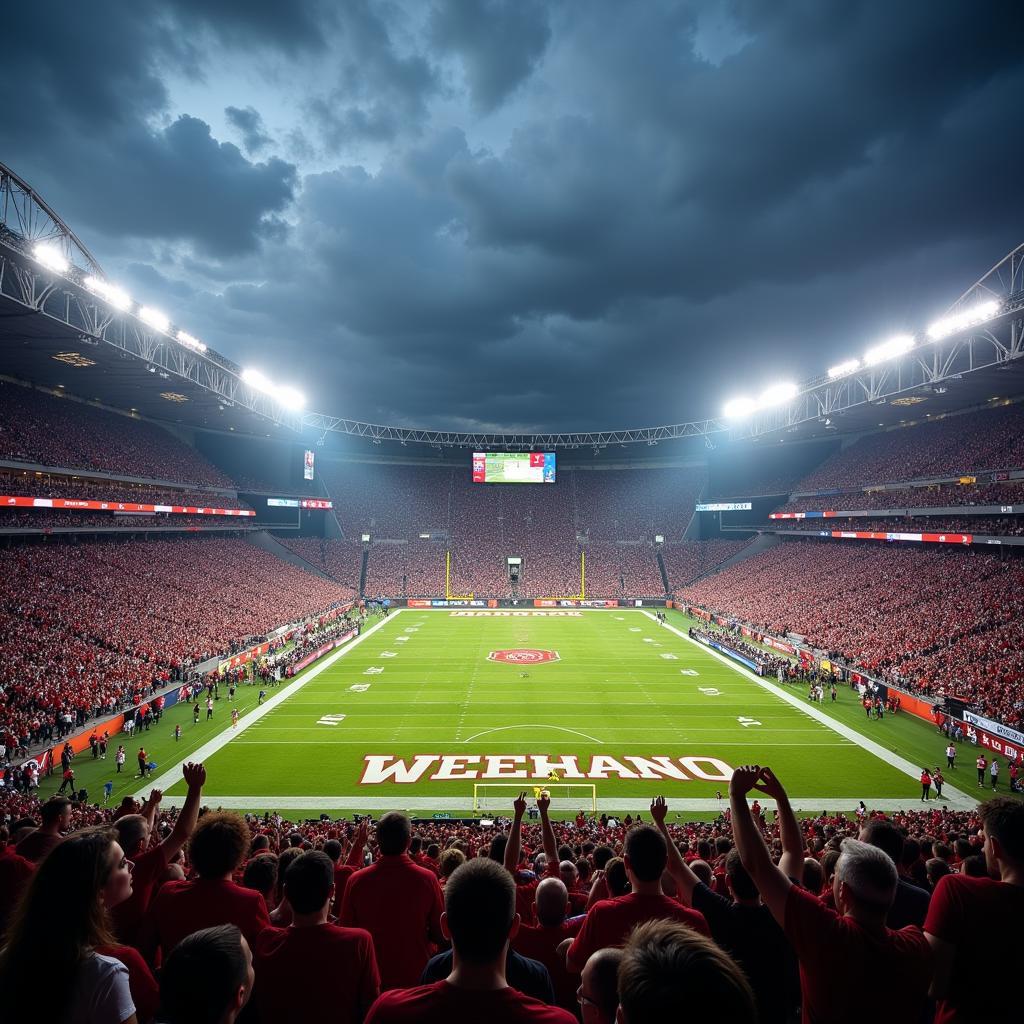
(523, 656)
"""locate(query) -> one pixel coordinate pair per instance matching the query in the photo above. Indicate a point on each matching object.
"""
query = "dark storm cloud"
(499, 43)
(248, 121)
(575, 215)
(87, 131)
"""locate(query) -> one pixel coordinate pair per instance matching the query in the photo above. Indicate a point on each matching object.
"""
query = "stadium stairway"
(270, 544)
(664, 574)
(363, 566)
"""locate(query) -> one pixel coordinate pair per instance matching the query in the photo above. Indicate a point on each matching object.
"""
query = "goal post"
(565, 796)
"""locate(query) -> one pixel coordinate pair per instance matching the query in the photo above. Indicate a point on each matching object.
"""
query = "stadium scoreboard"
(513, 467)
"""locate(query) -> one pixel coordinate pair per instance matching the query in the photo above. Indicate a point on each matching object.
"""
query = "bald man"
(598, 994)
(541, 941)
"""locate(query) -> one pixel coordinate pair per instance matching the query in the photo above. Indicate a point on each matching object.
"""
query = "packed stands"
(41, 428)
(690, 560)
(935, 621)
(412, 568)
(1008, 493)
(636, 504)
(342, 559)
(1006, 526)
(89, 626)
(622, 570)
(47, 519)
(990, 439)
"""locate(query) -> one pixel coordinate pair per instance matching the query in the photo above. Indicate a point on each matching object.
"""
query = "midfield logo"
(523, 656)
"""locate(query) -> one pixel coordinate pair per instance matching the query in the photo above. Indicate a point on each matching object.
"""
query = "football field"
(427, 705)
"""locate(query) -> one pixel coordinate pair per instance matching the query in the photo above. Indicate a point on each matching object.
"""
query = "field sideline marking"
(207, 750)
(560, 728)
(957, 798)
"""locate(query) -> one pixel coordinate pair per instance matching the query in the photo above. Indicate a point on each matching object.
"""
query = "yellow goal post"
(565, 796)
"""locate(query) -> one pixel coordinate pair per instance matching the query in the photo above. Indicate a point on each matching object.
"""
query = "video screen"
(513, 467)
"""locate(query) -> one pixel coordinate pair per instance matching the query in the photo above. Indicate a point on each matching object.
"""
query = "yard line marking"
(207, 750)
(956, 799)
(560, 728)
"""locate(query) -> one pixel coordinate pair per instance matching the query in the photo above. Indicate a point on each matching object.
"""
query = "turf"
(617, 689)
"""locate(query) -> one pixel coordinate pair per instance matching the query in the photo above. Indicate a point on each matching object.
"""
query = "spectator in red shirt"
(963, 914)
(218, 846)
(609, 922)
(541, 941)
(55, 815)
(15, 873)
(837, 951)
(149, 863)
(311, 965)
(480, 919)
(669, 972)
(208, 978)
(398, 903)
(598, 992)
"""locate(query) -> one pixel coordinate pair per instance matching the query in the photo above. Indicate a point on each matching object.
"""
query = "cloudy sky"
(526, 214)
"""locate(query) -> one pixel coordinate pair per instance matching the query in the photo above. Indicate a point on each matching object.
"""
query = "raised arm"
(791, 863)
(150, 807)
(772, 884)
(686, 881)
(548, 833)
(355, 854)
(195, 778)
(515, 835)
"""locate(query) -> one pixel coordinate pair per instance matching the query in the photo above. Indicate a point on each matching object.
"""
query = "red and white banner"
(243, 657)
(927, 538)
(76, 505)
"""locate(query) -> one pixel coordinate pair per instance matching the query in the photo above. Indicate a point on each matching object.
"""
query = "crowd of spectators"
(622, 570)
(939, 621)
(50, 485)
(88, 628)
(690, 560)
(189, 915)
(990, 439)
(1010, 492)
(991, 525)
(44, 429)
(412, 568)
(51, 519)
(768, 664)
(341, 559)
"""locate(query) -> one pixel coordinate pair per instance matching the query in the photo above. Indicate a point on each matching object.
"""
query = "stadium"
(383, 642)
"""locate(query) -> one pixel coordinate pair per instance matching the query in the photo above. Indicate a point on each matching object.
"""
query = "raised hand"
(519, 805)
(659, 810)
(194, 774)
(544, 802)
(744, 779)
(770, 785)
(155, 796)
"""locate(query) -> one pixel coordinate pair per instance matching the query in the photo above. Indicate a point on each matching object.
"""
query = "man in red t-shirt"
(541, 942)
(609, 922)
(219, 845)
(149, 863)
(966, 912)
(480, 917)
(310, 966)
(398, 903)
(837, 951)
(56, 819)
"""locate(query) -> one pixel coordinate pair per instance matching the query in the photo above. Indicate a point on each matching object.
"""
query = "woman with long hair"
(49, 964)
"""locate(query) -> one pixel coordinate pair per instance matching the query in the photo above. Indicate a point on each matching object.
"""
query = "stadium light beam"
(51, 258)
(117, 297)
(739, 408)
(843, 369)
(186, 339)
(155, 318)
(778, 394)
(895, 346)
(967, 318)
(287, 397)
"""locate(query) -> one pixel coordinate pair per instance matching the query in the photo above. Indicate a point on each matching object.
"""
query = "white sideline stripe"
(956, 799)
(207, 750)
(465, 803)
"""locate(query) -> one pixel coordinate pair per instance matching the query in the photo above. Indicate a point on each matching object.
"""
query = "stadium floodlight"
(155, 318)
(966, 318)
(895, 346)
(51, 258)
(290, 398)
(778, 394)
(843, 369)
(117, 297)
(186, 339)
(738, 408)
(255, 379)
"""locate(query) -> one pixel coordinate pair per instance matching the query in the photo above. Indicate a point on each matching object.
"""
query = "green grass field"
(623, 688)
